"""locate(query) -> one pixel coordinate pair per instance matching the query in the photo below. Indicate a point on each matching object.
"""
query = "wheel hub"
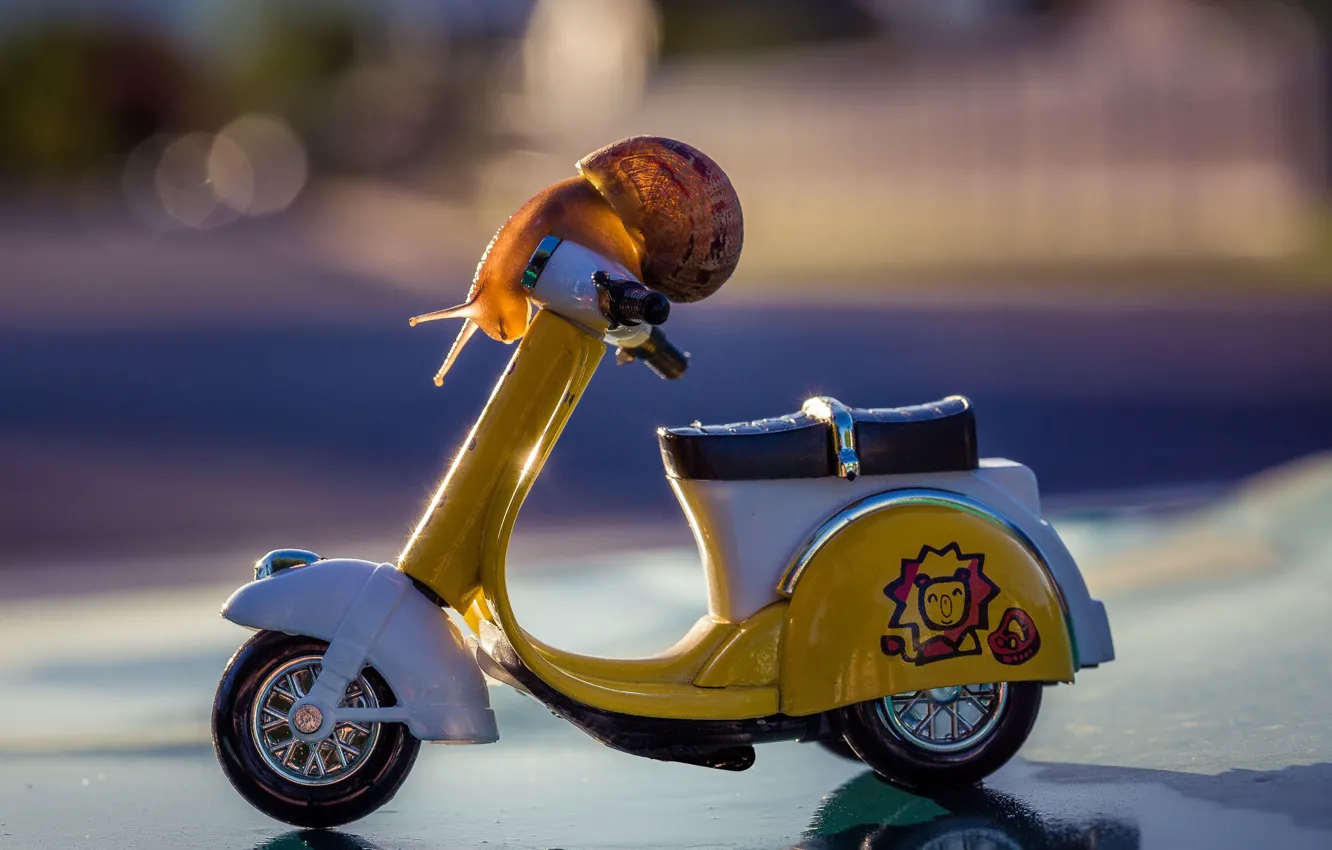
(948, 719)
(279, 718)
(307, 719)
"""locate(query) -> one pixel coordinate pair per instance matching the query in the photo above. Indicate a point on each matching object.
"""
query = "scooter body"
(872, 584)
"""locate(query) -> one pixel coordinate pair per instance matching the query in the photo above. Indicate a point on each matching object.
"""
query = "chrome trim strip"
(283, 559)
(828, 409)
(899, 498)
(540, 257)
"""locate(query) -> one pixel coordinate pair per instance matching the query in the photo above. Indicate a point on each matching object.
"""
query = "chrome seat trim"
(825, 408)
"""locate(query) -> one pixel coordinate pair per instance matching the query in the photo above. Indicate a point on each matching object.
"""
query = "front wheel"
(943, 737)
(342, 778)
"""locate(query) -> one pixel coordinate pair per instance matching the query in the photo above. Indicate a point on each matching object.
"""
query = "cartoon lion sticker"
(941, 600)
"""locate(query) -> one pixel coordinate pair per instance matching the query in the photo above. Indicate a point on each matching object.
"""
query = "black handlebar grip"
(638, 306)
(661, 356)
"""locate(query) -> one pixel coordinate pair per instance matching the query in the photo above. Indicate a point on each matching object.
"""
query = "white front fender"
(372, 612)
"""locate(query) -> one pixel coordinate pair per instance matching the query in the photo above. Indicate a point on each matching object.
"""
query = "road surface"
(1209, 730)
(194, 437)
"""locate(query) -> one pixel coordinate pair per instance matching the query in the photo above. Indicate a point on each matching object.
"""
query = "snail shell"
(658, 207)
(678, 205)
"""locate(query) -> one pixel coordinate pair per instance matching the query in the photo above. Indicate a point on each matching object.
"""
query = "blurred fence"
(1114, 132)
(1152, 130)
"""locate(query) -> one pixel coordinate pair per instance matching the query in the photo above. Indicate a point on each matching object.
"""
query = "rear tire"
(913, 741)
(349, 781)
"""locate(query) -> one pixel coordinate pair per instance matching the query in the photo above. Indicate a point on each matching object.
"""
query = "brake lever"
(657, 353)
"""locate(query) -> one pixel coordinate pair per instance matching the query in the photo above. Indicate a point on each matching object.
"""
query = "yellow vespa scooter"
(872, 584)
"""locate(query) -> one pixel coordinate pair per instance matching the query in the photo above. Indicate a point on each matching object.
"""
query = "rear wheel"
(943, 737)
(342, 778)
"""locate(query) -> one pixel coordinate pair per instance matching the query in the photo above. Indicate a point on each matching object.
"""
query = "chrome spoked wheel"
(942, 737)
(324, 762)
(332, 781)
(945, 720)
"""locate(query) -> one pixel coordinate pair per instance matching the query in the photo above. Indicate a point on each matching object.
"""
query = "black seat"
(935, 437)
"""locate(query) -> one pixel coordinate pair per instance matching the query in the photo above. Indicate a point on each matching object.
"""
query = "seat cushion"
(935, 437)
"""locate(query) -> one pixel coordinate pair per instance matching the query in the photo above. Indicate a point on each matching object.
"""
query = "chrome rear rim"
(323, 762)
(974, 838)
(945, 720)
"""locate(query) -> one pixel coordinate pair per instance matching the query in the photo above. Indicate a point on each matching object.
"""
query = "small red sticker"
(1015, 640)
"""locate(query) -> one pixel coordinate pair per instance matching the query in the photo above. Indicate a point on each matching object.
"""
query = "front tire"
(342, 778)
(945, 737)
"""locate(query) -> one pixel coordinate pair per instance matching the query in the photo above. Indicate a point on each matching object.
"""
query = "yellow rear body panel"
(915, 597)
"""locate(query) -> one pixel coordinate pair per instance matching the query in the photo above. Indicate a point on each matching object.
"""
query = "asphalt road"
(1209, 730)
(188, 434)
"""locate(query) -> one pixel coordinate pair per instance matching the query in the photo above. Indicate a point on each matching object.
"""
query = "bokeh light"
(275, 165)
(183, 181)
(586, 60)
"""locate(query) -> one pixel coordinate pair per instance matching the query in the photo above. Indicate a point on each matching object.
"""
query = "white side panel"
(565, 285)
(1014, 479)
(748, 532)
(411, 642)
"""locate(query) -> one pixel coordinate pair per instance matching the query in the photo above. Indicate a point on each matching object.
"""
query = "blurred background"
(1109, 222)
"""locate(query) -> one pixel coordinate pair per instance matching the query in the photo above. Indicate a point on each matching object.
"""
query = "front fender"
(909, 597)
(374, 611)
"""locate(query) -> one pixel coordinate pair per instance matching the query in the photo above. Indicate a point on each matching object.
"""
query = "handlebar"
(659, 354)
(640, 306)
(628, 302)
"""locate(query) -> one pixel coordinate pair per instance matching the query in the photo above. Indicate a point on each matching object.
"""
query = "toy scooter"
(872, 584)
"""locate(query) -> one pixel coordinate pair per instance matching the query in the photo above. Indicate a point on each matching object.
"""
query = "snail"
(660, 208)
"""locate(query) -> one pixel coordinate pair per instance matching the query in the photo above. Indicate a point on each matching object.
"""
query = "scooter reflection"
(317, 839)
(869, 814)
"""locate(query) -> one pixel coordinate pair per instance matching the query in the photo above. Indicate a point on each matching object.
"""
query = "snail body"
(658, 207)
(569, 209)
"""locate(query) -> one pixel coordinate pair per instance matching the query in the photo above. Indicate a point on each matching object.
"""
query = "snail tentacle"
(461, 311)
(469, 327)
